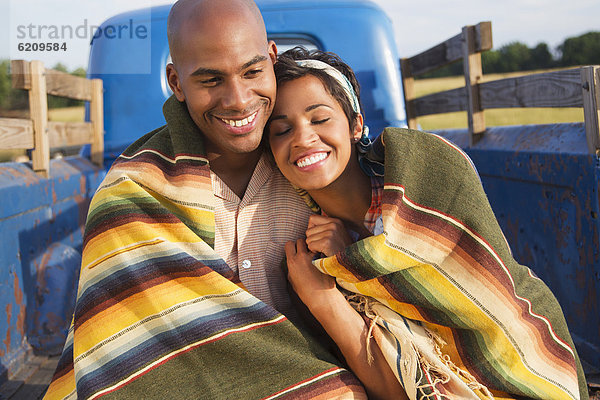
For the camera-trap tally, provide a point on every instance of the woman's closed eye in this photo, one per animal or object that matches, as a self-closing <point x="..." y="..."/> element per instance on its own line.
<point x="282" y="132"/>
<point x="320" y="121"/>
<point x="278" y="130"/>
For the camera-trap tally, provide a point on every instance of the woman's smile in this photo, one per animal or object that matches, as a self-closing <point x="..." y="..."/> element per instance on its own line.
<point x="315" y="158"/>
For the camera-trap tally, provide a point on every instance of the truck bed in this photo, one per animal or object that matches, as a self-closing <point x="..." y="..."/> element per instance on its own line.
<point x="31" y="381"/>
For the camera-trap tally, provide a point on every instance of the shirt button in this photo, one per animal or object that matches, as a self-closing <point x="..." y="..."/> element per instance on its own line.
<point x="246" y="264"/>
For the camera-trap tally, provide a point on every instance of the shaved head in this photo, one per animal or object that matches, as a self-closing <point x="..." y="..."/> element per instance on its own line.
<point x="222" y="68"/>
<point x="210" y="17"/>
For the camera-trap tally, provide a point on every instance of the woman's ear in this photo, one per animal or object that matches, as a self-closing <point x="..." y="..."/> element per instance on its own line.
<point x="358" y="128"/>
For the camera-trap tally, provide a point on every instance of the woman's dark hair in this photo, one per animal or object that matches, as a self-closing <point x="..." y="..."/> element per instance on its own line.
<point x="287" y="70"/>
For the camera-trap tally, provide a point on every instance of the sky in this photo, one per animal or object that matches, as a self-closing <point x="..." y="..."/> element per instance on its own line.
<point x="418" y="25"/>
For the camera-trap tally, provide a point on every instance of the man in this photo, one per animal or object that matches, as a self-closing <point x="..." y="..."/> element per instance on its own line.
<point x="180" y="284"/>
<point x="227" y="83"/>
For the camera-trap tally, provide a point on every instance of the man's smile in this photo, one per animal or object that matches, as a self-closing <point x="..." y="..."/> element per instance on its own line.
<point x="240" y="122"/>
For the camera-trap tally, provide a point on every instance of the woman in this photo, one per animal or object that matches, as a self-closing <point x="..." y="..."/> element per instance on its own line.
<point x="413" y="259"/>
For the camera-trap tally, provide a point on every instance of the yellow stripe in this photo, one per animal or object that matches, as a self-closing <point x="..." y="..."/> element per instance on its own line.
<point x="144" y="304"/>
<point x="62" y="387"/>
<point x="123" y="250"/>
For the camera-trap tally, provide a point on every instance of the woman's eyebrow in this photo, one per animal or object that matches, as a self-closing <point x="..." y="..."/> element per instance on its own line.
<point x="313" y="106"/>
<point x="309" y="108"/>
<point x="276" y="117"/>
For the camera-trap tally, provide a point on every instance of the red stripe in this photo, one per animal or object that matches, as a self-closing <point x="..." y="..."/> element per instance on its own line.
<point x="304" y="381"/>
<point x="178" y="353"/>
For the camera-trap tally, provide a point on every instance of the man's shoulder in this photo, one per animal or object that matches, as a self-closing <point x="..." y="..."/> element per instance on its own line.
<point x="157" y="140"/>
<point x="286" y="196"/>
<point x="179" y="136"/>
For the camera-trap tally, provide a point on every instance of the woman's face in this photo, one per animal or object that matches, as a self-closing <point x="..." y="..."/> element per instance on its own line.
<point x="309" y="134"/>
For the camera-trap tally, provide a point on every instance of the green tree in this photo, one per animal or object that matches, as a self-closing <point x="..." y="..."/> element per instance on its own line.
<point x="10" y="98"/>
<point x="541" y="57"/>
<point x="491" y="61"/>
<point x="5" y="84"/>
<point x="515" y="56"/>
<point x="581" y="50"/>
<point x="80" y="72"/>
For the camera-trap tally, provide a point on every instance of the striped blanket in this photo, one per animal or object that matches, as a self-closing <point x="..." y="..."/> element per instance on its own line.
<point x="159" y="314"/>
<point x="461" y="318"/>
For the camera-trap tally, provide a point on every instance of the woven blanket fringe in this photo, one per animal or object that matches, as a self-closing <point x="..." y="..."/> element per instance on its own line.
<point x="364" y="304"/>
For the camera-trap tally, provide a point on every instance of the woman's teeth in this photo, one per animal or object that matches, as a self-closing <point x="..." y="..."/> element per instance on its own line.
<point x="315" y="158"/>
<point x="239" y="122"/>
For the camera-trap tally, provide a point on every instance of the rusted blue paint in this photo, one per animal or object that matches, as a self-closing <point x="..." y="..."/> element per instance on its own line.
<point x="543" y="186"/>
<point x="41" y="221"/>
<point x="57" y="274"/>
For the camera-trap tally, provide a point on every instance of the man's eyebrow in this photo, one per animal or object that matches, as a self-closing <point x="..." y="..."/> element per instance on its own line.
<point x="209" y="71"/>
<point x="206" y="71"/>
<point x="309" y="108"/>
<point x="255" y="60"/>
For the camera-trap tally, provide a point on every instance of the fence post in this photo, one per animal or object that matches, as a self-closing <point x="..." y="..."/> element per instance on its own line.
<point x="96" y="118"/>
<point x="38" y="111"/>
<point x="473" y="75"/>
<point x="590" y="82"/>
<point x="408" y="89"/>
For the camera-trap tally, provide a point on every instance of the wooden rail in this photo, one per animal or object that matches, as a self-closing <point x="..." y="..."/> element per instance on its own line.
<point x="39" y="134"/>
<point x="577" y="87"/>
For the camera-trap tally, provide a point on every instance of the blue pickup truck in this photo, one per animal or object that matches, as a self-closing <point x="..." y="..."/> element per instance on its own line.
<point x="542" y="180"/>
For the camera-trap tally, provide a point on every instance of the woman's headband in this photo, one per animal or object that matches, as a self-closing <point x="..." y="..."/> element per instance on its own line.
<point x="335" y="74"/>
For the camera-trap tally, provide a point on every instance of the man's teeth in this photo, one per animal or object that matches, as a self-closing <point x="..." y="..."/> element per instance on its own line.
<point x="239" y="122"/>
<point x="305" y="162"/>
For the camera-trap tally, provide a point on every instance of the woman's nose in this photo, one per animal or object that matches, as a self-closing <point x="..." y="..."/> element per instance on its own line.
<point x="304" y="135"/>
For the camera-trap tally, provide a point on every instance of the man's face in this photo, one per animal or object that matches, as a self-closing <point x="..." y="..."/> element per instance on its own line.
<point x="227" y="81"/>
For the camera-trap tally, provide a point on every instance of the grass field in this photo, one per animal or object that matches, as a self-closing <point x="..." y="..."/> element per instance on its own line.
<point x="68" y="114"/>
<point x="495" y="117"/>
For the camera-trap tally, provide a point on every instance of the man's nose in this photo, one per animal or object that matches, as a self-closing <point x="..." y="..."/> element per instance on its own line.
<point x="237" y="95"/>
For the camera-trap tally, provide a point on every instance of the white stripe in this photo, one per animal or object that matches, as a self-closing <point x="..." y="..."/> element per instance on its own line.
<point x="304" y="384"/>
<point x="171" y="160"/>
<point x="183" y="349"/>
<point x="490" y="250"/>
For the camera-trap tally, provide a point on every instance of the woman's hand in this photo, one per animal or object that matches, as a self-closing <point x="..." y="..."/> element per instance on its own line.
<point x="341" y="322"/>
<point x="326" y="235"/>
<point x="311" y="285"/>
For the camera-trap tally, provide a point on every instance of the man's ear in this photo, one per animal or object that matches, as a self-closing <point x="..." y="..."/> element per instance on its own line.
<point x="174" y="82"/>
<point x="358" y="128"/>
<point x="272" y="48"/>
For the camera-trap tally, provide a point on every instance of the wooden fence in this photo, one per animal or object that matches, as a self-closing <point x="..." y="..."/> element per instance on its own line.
<point x="39" y="134"/>
<point x="577" y="87"/>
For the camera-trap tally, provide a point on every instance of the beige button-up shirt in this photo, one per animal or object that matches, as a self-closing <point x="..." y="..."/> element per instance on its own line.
<point x="250" y="233"/>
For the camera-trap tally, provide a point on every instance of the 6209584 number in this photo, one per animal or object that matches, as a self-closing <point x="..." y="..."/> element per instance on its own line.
<point x="42" y="46"/>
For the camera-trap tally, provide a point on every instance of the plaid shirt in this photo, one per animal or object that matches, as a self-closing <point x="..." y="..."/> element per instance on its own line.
<point x="250" y="233"/>
<point x="374" y="211"/>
